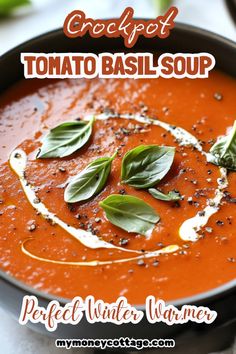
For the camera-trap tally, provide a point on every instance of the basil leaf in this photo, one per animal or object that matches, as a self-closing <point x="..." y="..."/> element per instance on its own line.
<point x="90" y="181"/>
<point x="66" y="138"/>
<point x="7" y="6"/>
<point x="146" y="165"/>
<point x="223" y="152"/>
<point x="130" y="213"/>
<point x="171" y="196"/>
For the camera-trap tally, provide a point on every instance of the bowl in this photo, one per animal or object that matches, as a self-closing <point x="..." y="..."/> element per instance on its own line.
<point x="197" y="338"/>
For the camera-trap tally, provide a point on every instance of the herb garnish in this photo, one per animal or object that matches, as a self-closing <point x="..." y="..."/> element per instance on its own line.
<point x="8" y="6"/>
<point x="171" y="196"/>
<point x="66" y="138"/>
<point x="89" y="181"/>
<point x="146" y="165"/>
<point x="130" y="213"/>
<point x="223" y="152"/>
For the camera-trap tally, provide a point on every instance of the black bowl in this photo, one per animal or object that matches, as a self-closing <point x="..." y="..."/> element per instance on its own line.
<point x="190" y="337"/>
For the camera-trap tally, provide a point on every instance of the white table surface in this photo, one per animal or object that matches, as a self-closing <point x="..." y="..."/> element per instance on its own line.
<point x="208" y="14"/>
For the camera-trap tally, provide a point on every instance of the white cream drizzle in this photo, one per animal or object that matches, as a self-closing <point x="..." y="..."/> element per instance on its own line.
<point x="94" y="263"/>
<point x="188" y="230"/>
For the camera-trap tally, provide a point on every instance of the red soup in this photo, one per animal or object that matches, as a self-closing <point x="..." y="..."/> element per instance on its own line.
<point x="76" y="248"/>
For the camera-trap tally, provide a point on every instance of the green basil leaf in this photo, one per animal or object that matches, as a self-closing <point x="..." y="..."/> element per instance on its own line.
<point x="7" y="6"/>
<point x="146" y="165"/>
<point x="171" y="196"/>
<point x="66" y="138"/>
<point x="223" y="152"/>
<point x="90" y="181"/>
<point x="130" y="213"/>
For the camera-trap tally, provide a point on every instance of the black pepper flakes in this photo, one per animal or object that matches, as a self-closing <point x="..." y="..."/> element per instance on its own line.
<point x="125" y="131"/>
<point x="62" y="169"/>
<point x="71" y="207"/>
<point x="228" y="197"/>
<point x="36" y="200"/>
<point x="160" y="244"/>
<point x="109" y="111"/>
<point x="211" y="141"/>
<point x="123" y="242"/>
<point x="183" y="252"/>
<point x="141" y="263"/>
<point x="155" y="263"/>
<point x="31" y="227"/>
<point x="186" y="245"/>
<point x="201" y="213"/>
<point x="17" y="155"/>
<point x="190" y="200"/>
<point x="218" y="96"/>
<point x="165" y="109"/>
<point x="91" y="229"/>
<point x="122" y="191"/>
<point x="176" y="204"/>
<point x="144" y="109"/>
<point x="209" y="229"/>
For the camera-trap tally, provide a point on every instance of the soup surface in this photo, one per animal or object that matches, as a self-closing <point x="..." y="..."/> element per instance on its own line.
<point x="205" y="108"/>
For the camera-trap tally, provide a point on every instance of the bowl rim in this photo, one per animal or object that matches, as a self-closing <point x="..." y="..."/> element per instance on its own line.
<point x="197" y="299"/>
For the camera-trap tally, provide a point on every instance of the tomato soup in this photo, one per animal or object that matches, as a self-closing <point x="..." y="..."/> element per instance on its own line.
<point x="168" y="263"/>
